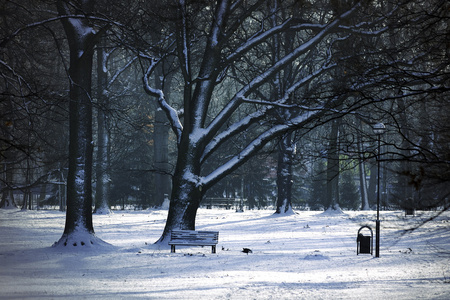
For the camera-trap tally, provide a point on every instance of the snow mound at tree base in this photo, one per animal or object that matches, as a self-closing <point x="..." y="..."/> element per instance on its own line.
<point x="81" y="239"/>
<point x="333" y="211"/>
<point x="285" y="211"/>
<point x="8" y="204"/>
<point x="316" y="255"/>
<point x="103" y="211"/>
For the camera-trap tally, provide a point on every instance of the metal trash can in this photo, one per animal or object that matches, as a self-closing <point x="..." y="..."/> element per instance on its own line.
<point x="409" y="212"/>
<point x="364" y="243"/>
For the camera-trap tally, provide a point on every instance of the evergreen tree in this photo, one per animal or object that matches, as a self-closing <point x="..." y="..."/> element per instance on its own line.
<point x="318" y="196"/>
<point x="349" y="192"/>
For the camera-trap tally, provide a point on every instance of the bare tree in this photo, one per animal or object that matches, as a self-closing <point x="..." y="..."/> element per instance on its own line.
<point x="238" y="32"/>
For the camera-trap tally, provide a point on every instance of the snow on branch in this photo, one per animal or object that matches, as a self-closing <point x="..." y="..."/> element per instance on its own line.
<point x="279" y="65"/>
<point x="255" y="145"/>
<point x="252" y="118"/>
<point x="255" y="40"/>
<point x="171" y="113"/>
<point x="236" y="128"/>
<point x="291" y="23"/>
<point x="50" y="20"/>
<point x="20" y="80"/>
<point x="184" y="45"/>
<point x="120" y="71"/>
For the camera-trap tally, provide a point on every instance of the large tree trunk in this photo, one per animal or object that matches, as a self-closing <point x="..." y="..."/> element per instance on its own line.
<point x="79" y="230"/>
<point x="79" y="181"/>
<point x="186" y="193"/>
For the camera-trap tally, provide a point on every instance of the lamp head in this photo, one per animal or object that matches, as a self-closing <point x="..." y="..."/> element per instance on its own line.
<point x="379" y="128"/>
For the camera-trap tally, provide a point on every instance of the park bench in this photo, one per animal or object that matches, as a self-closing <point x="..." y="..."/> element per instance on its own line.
<point x="226" y="203"/>
<point x="193" y="238"/>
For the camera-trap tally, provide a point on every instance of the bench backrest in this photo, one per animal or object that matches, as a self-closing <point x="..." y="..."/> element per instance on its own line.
<point x="195" y="237"/>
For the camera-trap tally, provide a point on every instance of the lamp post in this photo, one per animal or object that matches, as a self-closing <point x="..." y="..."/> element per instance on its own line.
<point x="378" y="129"/>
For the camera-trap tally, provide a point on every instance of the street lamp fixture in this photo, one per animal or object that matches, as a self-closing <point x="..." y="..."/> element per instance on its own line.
<point x="378" y="129"/>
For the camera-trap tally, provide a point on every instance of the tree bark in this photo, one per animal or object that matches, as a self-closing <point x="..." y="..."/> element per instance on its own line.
<point x="79" y="230"/>
<point x="187" y="192"/>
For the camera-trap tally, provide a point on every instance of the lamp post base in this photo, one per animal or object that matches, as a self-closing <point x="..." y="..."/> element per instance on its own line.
<point x="377" y="242"/>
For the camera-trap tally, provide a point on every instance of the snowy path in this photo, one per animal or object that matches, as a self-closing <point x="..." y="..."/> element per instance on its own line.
<point x="310" y="255"/>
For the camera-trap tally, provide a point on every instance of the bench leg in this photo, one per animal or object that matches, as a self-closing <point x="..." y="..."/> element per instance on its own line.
<point x="172" y="248"/>
<point x="213" y="249"/>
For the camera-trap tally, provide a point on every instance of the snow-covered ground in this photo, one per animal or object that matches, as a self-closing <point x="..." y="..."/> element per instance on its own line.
<point x="309" y="255"/>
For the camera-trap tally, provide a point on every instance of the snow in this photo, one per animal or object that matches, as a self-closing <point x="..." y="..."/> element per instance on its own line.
<point x="82" y="31"/>
<point x="104" y="210"/>
<point x="307" y="255"/>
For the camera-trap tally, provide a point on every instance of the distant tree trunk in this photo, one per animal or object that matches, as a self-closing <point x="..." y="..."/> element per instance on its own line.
<point x="161" y="151"/>
<point x="102" y="166"/>
<point x="6" y="156"/>
<point x="333" y="167"/>
<point x="42" y="194"/>
<point x="362" y="173"/>
<point x="406" y="193"/>
<point x="7" y="199"/>
<point x="27" y="195"/>
<point x="8" y="195"/>
<point x="363" y="186"/>
<point x="286" y="148"/>
<point x="373" y="184"/>
<point x="161" y="145"/>
<point x="284" y="174"/>
<point x="79" y="230"/>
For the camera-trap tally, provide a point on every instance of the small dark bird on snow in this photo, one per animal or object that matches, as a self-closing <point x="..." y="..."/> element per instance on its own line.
<point x="247" y="250"/>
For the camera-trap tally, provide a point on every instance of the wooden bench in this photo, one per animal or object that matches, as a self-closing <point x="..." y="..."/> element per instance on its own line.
<point x="226" y="203"/>
<point x="193" y="238"/>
